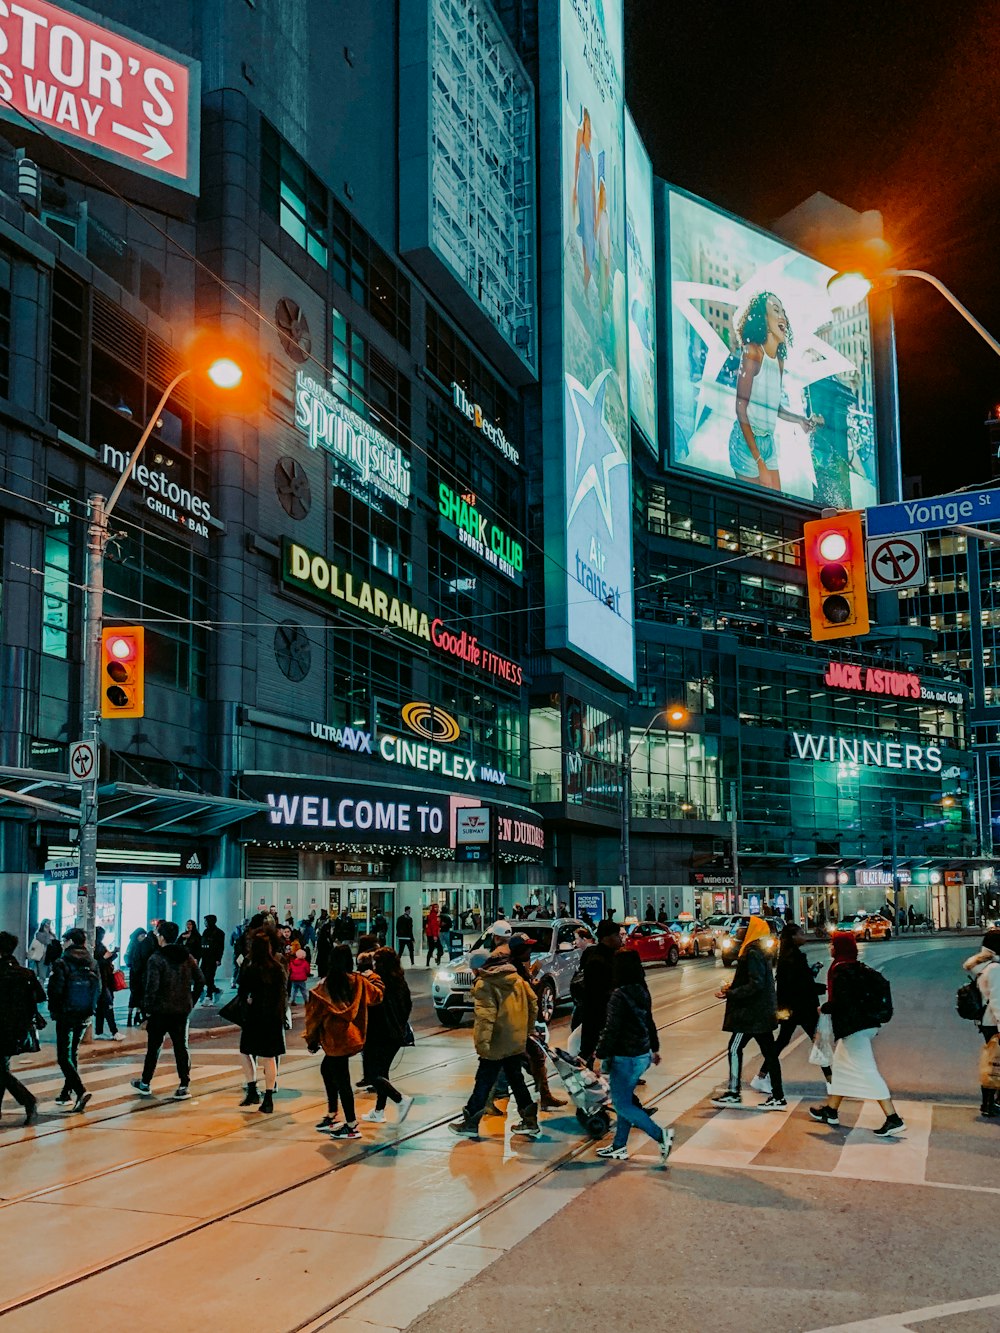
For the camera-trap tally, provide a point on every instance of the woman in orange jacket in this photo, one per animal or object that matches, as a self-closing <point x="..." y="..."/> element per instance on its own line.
<point x="337" y="1020"/>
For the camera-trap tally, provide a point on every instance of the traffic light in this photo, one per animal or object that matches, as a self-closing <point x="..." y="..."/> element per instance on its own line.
<point x="835" y="577"/>
<point x="123" y="666"/>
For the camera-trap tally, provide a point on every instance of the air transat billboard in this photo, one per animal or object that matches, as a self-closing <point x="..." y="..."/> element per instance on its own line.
<point x="587" y="422"/>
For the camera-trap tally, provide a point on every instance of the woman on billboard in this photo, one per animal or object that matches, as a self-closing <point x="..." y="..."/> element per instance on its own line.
<point x="765" y="336"/>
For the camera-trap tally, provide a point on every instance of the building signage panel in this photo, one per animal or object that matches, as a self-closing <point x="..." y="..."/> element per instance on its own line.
<point x="895" y="684"/>
<point x="940" y="511"/>
<point x="880" y="878"/>
<point x="588" y="435"/>
<point x="474" y="413"/>
<point x="590" y="901"/>
<point x="374" y="465"/>
<point x="869" y="754"/>
<point x="461" y="519"/>
<point x="313" y="574"/>
<point x="895" y="563"/>
<point x="432" y="759"/>
<point x="164" y="496"/>
<point x="641" y="284"/>
<point x="517" y="830"/>
<point x="101" y="88"/>
<point x="352" y="813"/>
<point x="472" y="828"/>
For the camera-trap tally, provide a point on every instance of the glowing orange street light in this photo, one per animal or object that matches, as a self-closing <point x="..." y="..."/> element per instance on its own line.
<point x="676" y="715"/>
<point x="847" y="289"/>
<point x="225" y="373"/>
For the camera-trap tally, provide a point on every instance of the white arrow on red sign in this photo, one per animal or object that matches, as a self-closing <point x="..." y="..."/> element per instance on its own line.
<point x="101" y="88"/>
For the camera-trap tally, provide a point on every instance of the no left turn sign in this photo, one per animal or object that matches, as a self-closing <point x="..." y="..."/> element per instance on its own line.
<point x="895" y="563"/>
<point x="82" y="758"/>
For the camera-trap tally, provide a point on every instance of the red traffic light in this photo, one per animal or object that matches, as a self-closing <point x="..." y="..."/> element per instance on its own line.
<point x="835" y="577"/>
<point x="123" y="672"/>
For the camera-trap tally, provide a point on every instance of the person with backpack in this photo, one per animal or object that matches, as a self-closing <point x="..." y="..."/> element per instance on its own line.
<point x="752" y="1015"/>
<point x="859" y="1002"/>
<point x="984" y="970"/>
<point x="20" y="995"/>
<point x="74" y="986"/>
<point x="337" y="1020"/>
<point x="388" y="1025"/>
<point x="173" y="984"/>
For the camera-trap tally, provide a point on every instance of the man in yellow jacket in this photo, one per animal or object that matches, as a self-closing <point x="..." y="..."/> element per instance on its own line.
<point x="504" y="1013"/>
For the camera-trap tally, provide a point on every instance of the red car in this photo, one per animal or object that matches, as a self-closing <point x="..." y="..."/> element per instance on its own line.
<point x="653" y="943"/>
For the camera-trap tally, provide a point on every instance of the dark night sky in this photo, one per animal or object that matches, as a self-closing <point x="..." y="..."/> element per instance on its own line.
<point x="881" y="104"/>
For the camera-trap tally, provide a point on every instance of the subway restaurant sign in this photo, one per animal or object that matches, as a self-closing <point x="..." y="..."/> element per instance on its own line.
<point x="313" y="574"/>
<point x="461" y="519"/>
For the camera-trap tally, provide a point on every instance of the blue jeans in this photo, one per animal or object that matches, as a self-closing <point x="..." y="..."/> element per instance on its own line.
<point x="626" y="1071"/>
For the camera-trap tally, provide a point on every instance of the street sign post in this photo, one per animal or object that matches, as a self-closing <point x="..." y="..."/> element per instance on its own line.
<point x="940" y="511"/>
<point x="58" y="871"/>
<point x="895" y="563"/>
<point x="82" y="758"/>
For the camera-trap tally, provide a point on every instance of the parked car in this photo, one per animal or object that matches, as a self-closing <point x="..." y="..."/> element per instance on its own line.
<point x="729" y="944"/>
<point x="694" y="938"/>
<point x="653" y="943"/>
<point x="554" y="959"/>
<point x="866" y="927"/>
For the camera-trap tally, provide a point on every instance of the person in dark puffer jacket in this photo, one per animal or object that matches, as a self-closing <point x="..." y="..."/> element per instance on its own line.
<point x="173" y="984"/>
<point x="627" y="1046"/>
<point x="752" y="1014"/>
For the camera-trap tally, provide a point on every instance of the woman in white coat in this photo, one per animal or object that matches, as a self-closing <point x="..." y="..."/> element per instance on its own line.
<point x="984" y="966"/>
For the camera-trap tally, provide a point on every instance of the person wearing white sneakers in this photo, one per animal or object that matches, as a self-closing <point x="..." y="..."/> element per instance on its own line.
<point x="751" y="1014"/>
<point x="627" y="1046"/>
<point x="798" y="998"/>
<point x="388" y="1027"/>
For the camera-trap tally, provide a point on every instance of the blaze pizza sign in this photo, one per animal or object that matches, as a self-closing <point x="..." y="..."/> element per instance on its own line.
<point x="102" y="88"/>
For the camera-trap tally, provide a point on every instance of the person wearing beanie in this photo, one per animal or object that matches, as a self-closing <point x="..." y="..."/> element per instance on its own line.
<point x="984" y="967"/>
<point x="850" y="987"/>
<point x="74" y="985"/>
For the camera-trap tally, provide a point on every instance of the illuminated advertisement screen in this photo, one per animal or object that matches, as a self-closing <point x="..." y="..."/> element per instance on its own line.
<point x="641" y="284"/>
<point x="597" y="475"/>
<point x="771" y="387"/>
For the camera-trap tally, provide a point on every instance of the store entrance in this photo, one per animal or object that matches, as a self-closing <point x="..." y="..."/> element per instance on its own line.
<point x="820" y="907"/>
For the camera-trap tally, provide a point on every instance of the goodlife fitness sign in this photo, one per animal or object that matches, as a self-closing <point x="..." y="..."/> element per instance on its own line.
<point x="101" y="88"/>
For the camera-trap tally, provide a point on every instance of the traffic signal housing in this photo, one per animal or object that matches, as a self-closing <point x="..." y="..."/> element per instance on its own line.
<point x="835" y="577"/>
<point x="123" y="670"/>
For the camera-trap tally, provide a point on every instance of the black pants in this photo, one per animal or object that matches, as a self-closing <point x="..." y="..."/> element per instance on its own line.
<point x="406" y="943"/>
<point x="433" y="944"/>
<point x="68" y="1034"/>
<point x="486" y="1076"/>
<point x="786" y="1030"/>
<point x="378" y="1063"/>
<point x="175" y="1027"/>
<point x="8" y="1083"/>
<point x="772" y="1065"/>
<point x="105" y="1010"/>
<point x="208" y="971"/>
<point x="336" y="1074"/>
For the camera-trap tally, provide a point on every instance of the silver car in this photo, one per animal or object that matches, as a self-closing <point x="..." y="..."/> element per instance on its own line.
<point x="554" y="959"/>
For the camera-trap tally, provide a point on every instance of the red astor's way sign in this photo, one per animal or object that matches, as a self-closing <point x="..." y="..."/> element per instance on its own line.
<point x="101" y="88"/>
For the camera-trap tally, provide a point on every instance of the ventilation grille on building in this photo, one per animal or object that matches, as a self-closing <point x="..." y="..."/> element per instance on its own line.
<point x="269" y="863"/>
<point x="133" y="346"/>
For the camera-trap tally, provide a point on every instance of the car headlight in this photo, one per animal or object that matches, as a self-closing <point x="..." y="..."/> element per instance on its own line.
<point x="445" y="977"/>
<point x="685" y="939"/>
<point x="726" y="940"/>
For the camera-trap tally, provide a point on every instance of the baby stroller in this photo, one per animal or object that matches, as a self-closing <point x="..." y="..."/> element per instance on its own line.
<point x="588" y="1091"/>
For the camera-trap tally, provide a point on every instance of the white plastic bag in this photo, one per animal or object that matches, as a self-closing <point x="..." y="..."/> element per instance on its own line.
<point x="575" y="1037"/>
<point x="822" y="1047"/>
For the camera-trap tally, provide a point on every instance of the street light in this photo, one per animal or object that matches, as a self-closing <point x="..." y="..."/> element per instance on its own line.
<point x="848" y="289"/>
<point x="226" y="374"/>
<point x="675" y="715"/>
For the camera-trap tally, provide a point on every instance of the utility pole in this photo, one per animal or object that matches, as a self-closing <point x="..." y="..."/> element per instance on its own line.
<point x="735" y="844"/>
<point x="626" y="822"/>
<point x="90" y="712"/>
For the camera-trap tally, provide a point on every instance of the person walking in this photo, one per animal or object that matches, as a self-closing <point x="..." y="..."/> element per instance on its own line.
<point x="650" y="910"/>
<point x="337" y="1021"/>
<point x="380" y="927"/>
<point x="299" y="968"/>
<point x="595" y="985"/>
<point x="751" y="1014"/>
<point x="20" y="995"/>
<point x="387" y="1027"/>
<point x="38" y="950"/>
<point x="191" y="939"/>
<point x="798" y="994"/>
<point x="213" y="950"/>
<point x="504" y="1013"/>
<point x="432" y="933"/>
<point x="404" y="935"/>
<point x="263" y="990"/>
<point x="173" y="984"/>
<point x="134" y="982"/>
<point x="324" y="945"/>
<point x="144" y="951"/>
<point x="627" y="1046"/>
<point x="852" y="995"/>
<point x="74" y="985"/>
<point x="984" y="967"/>
<point x="344" y="928"/>
<point x="105" y="959"/>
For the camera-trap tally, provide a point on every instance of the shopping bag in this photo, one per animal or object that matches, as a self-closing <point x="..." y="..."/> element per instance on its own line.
<point x="989" y="1064"/>
<point x="575" y="1039"/>
<point x="118" y="981"/>
<point x="822" y="1047"/>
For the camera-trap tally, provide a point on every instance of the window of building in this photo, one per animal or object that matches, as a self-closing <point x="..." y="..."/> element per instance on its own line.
<point x="368" y="381"/>
<point x="451" y="360"/>
<point x="66" y="355"/>
<point x="5" y="286"/>
<point x="294" y="196"/>
<point x="370" y="276"/>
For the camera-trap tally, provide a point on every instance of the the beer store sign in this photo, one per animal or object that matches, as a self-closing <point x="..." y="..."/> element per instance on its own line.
<point x="870" y="754"/>
<point x="461" y="519"/>
<point x="372" y="459"/>
<point x="474" y="414"/>
<point x="320" y="578"/>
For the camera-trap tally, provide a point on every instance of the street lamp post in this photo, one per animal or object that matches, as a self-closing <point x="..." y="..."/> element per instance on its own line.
<point x="676" y="714"/>
<point x="849" y="289"/>
<point x="225" y="374"/>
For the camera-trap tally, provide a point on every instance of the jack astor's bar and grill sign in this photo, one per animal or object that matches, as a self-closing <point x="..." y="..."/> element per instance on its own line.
<point x="313" y="574"/>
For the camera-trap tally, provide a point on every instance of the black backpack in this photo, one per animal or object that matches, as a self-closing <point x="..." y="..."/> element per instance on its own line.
<point x="80" y="994"/>
<point x="876" y="999"/>
<point x="969" y="1002"/>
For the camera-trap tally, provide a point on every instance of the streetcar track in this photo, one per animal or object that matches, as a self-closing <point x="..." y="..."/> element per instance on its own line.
<point x="361" y="1155"/>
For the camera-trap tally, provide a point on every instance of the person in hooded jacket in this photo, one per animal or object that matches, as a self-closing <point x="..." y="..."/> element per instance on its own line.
<point x="39" y="950"/>
<point x="105" y="1013"/>
<point x="213" y="950"/>
<point x="74" y="986"/>
<point x="855" y="1073"/>
<point x="504" y="1013"/>
<point x="20" y="995"/>
<point x="627" y="1046"/>
<point x="517" y="950"/>
<point x="173" y="984"/>
<point x="984" y="967"/>
<point x="751" y="1014"/>
<point x="432" y="933"/>
<point x="798" y="997"/>
<point x="263" y="986"/>
<point x="144" y="950"/>
<point x="387" y="1024"/>
<point x="337" y="1020"/>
